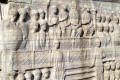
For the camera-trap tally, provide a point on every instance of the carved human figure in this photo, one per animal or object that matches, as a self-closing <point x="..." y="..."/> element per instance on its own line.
<point x="12" y="33"/>
<point x="37" y="74"/>
<point x="112" y="73"/>
<point x="111" y="31"/>
<point x="117" y="71"/>
<point x="107" y="71"/>
<point x="54" y="30"/>
<point x="64" y="20"/>
<point x="28" y="75"/>
<point x="86" y="19"/>
<point x="97" y="60"/>
<point x="100" y="29"/>
<point x="106" y="31"/>
<point x="75" y="20"/>
<point x="28" y="9"/>
<point x="45" y="74"/>
<point x="33" y="36"/>
<point x="57" y="59"/>
<point x="33" y="41"/>
<point x="24" y="26"/>
<point x="115" y="21"/>
<point x="20" y="76"/>
<point x="90" y="31"/>
<point x="43" y="26"/>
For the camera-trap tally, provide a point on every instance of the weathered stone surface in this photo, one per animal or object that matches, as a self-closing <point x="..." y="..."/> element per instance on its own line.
<point x="60" y="40"/>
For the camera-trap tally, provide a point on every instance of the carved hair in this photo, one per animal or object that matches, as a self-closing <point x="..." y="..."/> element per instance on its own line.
<point x="22" y="11"/>
<point x="34" y="12"/>
<point x="13" y="12"/>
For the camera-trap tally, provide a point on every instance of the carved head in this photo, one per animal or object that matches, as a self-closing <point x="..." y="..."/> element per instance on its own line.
<point x="54" y="9"/>
<point x="103" y="18"/>
<point x="117" y="65"/>
<point x="22" y="13"/>
<point x="20" y="77"/>
<point x="97" y="42"/>
<point x="63" y="7"/>
<point x="111" y="28"/>
<point x="107" y="65"/>
<point x="115" y="18"/>
<point x="99" y="17"/>
<point x="41" y="13"/>
<point x="107" y="18"/>
<point x="37" y="73"/>
<point x="113" y="65"/>
<point x="73" y="5"/>
<point x="34" y="15"/>
<point x="100" y="28"/>
<point x="13" y="13"/>
<point x="86" y="8"/>
<point x="56" y="44"/>
<point x="28" y="75"/>
<point x="43" y="25"/>
<point x="28" y="9"/>
<point x="106" y="28"/>
<point x="45" y="73"/>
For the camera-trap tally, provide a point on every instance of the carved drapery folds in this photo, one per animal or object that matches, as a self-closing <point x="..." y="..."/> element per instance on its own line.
<point x="45" y="38"/>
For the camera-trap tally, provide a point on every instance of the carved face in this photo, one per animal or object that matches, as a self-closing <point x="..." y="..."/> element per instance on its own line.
<point x="35" y="17"/>
<point x="100" y="28"/>
<point x="56" y="45"/>
<point x="42" y="15"/>
<point x="107" y="65"/>
<point x="46" y="75"/>
<point x="111" y="29"/>
<point x="106" y="28"/>
<point x="13" y="16"/>
<point x="23" y="16"/>
<point x="54" y="10"/>
<point x="43" y="27"/>
<point x="97" y="43"/>
<point x="112" y="65"/>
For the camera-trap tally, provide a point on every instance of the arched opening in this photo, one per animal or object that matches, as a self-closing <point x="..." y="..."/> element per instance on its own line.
<point x="4" y="1"/>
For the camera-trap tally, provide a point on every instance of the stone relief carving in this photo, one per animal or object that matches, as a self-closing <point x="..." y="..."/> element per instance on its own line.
<point x="53" y="35"/>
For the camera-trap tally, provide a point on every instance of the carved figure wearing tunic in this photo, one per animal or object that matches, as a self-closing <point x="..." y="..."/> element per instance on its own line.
<point x="98" y="60"/>
<point x="24" y="26"/>
<point x="112" y="70"/>
<point x="42" y="32"/>
<point x="53" y="22"/>
<point x="86" y="19"/>
<point x="37" y="74"/>
<point x="33" y="37"/>
<point x="45" y="74"/>
<point x="12" y="33"/>
<point x="107" y="71"/>
<point x="106" y="31"/>
<point x="117" y="71"/>
<point x="75" y="20"/>
<point x="115" y="22"/>
<point x="64" y="20"/>
<point x="57" y="59"/>
<point x="100" y="33"/>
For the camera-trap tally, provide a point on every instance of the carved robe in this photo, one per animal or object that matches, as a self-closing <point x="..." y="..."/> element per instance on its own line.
<point x="74" y="19"/>
<point x="99" y="55"/>
<point x="12" y="36"/>
<point x="64" y="22"/>
<point x="53" y="24"/>
<point x="25" y="31"/>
